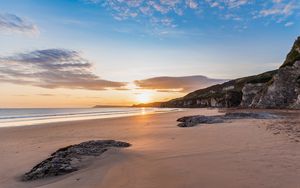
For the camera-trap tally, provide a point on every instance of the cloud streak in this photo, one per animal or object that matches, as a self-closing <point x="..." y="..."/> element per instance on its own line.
<point x="16" y="24"/>
<point x="279" y="9"/>
<point x="177" y="84"/>
<point x="163" y="14"/>
<point x="230" y="4"/>
<point x="53" y="68"/>
<point x="157" y="12"/>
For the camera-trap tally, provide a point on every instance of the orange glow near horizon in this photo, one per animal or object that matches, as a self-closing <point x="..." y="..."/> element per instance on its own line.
<point x="24" y="96"/>
<point x="143" y="97"/>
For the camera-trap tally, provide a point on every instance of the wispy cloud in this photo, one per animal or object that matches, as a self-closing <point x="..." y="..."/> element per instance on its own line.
<point x="280" y="11"/>
<point x="222" y="4"/>
<point x="45" y="95"/>
<point x="288" y="24"/>
<point x="157" y="12"/>
<point x="16" y="24"/>
<point x="279" y="8"/>
<point x="53" y="68"/>
<point x="163" y="14"/>
<point x="178" y="84"/>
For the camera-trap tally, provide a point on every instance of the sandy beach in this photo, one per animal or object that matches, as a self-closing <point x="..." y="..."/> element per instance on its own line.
<point x="150" y="94"/>
<point x="235" y="154"/>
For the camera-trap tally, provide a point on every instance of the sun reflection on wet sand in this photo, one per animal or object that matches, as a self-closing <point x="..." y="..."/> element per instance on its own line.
<point x="143" y="111"/>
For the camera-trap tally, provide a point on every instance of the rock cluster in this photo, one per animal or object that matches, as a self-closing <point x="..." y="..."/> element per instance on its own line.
<point x="68" y="159"/>
<point x="190" y="121"/>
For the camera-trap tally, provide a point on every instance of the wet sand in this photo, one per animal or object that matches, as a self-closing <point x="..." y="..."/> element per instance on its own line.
<point x="236" y="154"/>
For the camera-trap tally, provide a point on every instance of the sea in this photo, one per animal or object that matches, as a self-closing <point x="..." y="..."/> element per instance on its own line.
<point x="30" y="116"/>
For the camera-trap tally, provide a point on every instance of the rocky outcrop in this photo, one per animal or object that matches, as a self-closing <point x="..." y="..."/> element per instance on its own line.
<point x="274" y="89"/>
<point x="69" y="159"/>
<point x="228" y="94"/>
<point x="191" y="121"/>
<point x="249" y="93"/>
<point x="293" y="55"/>
<point x="283" y="91"/>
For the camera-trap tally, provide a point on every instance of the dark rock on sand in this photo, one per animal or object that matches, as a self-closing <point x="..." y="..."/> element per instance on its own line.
<point x="249" y="115"/>
<point x="190" y="121"/>
<point x="68" y="159"/>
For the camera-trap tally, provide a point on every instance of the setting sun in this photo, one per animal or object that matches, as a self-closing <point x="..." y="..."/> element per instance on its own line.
<point x="143" y="98"/>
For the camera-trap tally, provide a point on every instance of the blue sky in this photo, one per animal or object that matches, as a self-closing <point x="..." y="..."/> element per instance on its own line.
<point x="129" y="40"/>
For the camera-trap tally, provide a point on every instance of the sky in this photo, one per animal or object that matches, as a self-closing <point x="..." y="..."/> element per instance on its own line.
<point x="81" y="53"/>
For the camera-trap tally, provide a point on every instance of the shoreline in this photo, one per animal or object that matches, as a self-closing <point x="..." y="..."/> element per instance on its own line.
<point x="239" y="153"/>
<point x="220" y="110"/>
<point x="45" y="120"/>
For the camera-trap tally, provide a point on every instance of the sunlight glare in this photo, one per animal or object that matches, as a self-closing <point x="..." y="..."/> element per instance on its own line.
<point x="143" y="97"/>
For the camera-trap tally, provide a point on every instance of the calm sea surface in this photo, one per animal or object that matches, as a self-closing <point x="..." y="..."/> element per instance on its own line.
<point x="30" y="116"/>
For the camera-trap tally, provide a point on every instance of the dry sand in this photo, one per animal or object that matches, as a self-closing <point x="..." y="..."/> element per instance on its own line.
<point x="239" y="154"/>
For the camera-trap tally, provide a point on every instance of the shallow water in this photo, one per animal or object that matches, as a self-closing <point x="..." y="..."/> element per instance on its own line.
<point x="30" y="116"/>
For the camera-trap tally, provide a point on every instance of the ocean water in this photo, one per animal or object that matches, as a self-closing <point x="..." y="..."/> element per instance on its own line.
<point x="30" y="116"/>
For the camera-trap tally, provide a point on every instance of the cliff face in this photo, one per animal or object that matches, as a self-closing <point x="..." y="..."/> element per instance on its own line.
<point x="228" y="94"/>
<point x="274" y="89"/>
<point x="250" y="92"/>
<point x="283" y="91"/>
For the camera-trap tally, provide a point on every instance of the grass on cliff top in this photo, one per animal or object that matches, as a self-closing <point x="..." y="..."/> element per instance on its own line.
<point x="294" y="54"/>
<point x="217" y="91"/>
<point x="261" y="78"/>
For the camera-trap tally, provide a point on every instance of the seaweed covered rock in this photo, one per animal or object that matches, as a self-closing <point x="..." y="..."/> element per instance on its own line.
<point x="68" y="159"/>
